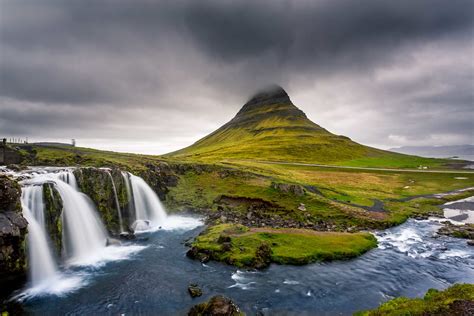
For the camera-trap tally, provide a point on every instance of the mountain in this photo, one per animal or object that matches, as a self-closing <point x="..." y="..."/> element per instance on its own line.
<point x="270" y="127"/>
<point x="461" y="151"/>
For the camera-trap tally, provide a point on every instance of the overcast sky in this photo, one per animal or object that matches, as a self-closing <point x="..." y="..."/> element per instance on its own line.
<point x="155" y="76"/>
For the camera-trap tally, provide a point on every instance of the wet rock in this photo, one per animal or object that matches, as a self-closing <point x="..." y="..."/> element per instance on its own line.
<point x="217" y="306"/>
<point x="201" y="255"/>
<point x="194" y="290"/>
<point x="53" y="209"/>
<point x="15" y="167"/>
<point x="263" y="256"/>
<point x="295" y="189"/>
<point x="13" y="230"/>
<point x="127" y="236"/>
<point x="112" y="242"/>
<point x="457" y="231"/>
<point x="470" y="242"/>
<point x="97" y="184"/>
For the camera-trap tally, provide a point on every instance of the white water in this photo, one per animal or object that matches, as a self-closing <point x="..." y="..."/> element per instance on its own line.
<point x="40" y="258"/>
<point x="130" y="205"/>
<point x="117" y="204"/>
<point x="149" y="212"/>
<point x="83" y="232"/>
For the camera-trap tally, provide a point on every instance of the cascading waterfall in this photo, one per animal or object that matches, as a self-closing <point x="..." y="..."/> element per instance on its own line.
<point x="117" y="204"/>
<point x="41" y="261"/>
<point x="130" y="204"/>
<point x="149" y="212"/>
<point x="84" y="233"/>
<point x="69" y="178"/>
<point x="84" y="237"/>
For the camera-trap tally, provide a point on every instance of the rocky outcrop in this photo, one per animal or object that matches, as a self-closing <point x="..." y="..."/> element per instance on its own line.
<point x="294" y="189"/>
<point x="194" y="290"/>
<point x="13" y="230"/>
<point x="160" y="177"/>
<point x="97" y="184"/>
<point x="53" y="208"/>
<point x="217" y="306"/>
<point x="458" y="231"/>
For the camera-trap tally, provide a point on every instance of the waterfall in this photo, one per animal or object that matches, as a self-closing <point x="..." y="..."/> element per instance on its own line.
<point x="117" y="204"/>
<point x="69" y="178"/>
<point x="149" y="212"/>
<point x="40" y="258"/>
<point x="130" y="204"/>
<point x="83" y="231"/>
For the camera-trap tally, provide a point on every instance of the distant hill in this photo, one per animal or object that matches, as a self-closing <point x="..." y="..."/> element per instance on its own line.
<point x="270" y="127"/>
<point x="460" y="151"/>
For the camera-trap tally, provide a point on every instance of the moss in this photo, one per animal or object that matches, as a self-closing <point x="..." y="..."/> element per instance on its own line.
<point x="53" y="216"/>
<point x="456" y="300"/>
<point x="97" y="184"/>
<point x="258" y="247"/>
<point x="217" y="305"/>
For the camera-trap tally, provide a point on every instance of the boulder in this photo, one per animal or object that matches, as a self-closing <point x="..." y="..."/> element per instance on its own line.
<point x="194" y="290"/>
<point x="217" y="306"/>
<point x="458" y="231"/>
<point x="294" y="189"/>
<point x="13" y="230"/>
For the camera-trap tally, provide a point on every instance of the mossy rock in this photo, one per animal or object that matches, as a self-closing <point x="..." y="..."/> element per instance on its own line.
<point x="53" y="209"/>
<point x="455" y="300"/>
<point x="217" y="306"/>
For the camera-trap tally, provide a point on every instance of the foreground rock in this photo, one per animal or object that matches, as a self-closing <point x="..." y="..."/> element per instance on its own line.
<point x="13" y="229"/>
<point x="217" y="306"/>
<point x="194" y="290"/>
<point x="458" y="231"/>
<point x="456" y="300"/>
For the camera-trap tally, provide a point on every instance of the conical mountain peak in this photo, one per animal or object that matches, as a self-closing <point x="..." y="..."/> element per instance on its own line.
<point x="273" y="94"/>
<point x="270" y="127"/>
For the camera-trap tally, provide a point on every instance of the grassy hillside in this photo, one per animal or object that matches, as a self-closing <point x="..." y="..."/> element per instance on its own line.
<point x="269" y="127"/>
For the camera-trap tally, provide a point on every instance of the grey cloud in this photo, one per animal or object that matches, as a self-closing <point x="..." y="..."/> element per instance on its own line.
<point x="186" y="66"/>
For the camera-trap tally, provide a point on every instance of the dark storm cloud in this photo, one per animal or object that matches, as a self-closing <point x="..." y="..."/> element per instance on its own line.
<point x="201" y="60"/>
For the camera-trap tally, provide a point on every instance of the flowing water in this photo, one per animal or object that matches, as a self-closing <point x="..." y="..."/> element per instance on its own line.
<point x="117" y="204"/>
<point x="84" y="233"/>
<point x="151" y="274"/>
<point x="149" y="212"/>
<point x="40" y="258"/>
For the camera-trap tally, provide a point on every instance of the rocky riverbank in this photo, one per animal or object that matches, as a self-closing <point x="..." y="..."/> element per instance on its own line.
<point x="13" y="232"/>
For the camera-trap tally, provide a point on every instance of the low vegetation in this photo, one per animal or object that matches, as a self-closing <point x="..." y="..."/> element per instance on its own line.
<point x="456" y="300"/>
<point x="258" y="247"/>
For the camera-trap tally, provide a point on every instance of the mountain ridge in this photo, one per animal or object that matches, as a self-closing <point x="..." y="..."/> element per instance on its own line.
<point x="270" y="127"/>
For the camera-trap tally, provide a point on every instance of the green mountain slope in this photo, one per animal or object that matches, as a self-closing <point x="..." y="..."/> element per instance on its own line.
<point x="270" y="127"/>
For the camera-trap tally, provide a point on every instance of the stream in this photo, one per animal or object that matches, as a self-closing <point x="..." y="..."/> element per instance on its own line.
<point x="151" y="274"/>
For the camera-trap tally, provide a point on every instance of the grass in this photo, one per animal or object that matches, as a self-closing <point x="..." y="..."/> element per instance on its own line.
<point x="452" y="301"/>
<point x="333" y="196"/>
<point x="243" y="247"/>
<point x="281" y="132"/>
<point x="63" y="155"/>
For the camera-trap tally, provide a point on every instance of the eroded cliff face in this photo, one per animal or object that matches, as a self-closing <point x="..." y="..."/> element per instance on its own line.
<point x="53" y="208"/>
<point x="160" y="177"/>
<point x="97" y="184"/>
<point x="13" y="230"/>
